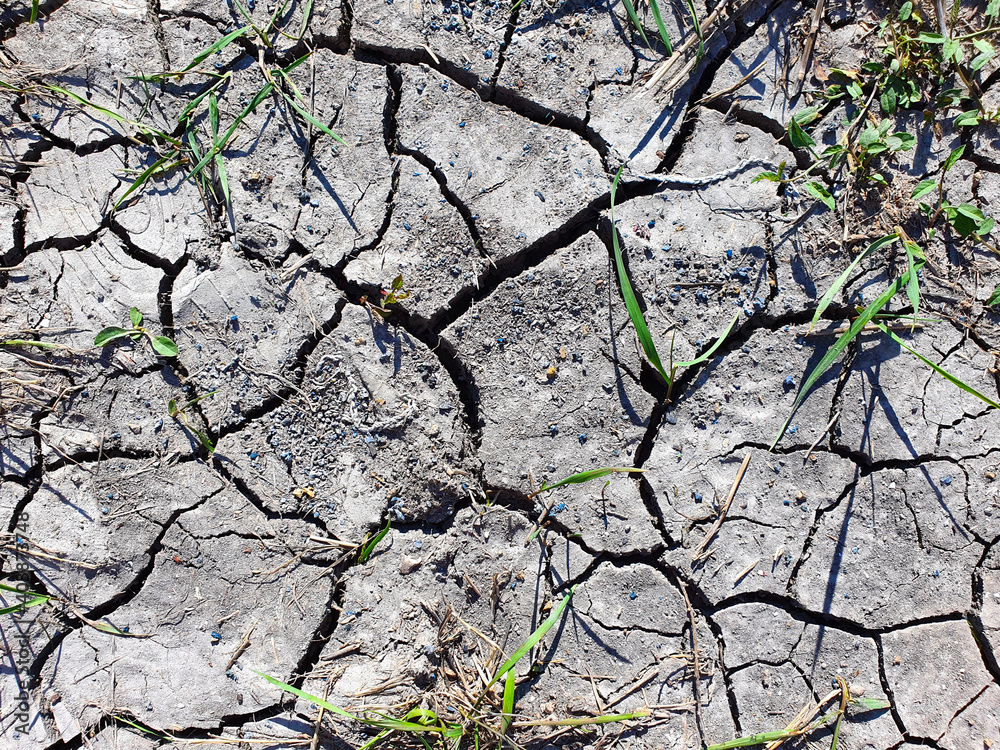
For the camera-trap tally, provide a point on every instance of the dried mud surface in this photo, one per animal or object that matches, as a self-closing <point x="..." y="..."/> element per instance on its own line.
<point x="481" y="147"/>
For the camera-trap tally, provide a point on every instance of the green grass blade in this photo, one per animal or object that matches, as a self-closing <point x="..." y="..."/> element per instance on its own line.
<point x="531" y="641"/>
<point x="383" y="722"/>
<point x="718" y="342"/>
<point x="753" y="739"/>
<point x="635" y="20"/>
<point x="203" y="439"/>
<point x="254" y="103"/>
<point x="306" y="114"/>
<point x="938" y="369"/>
<point x="216" y="46"/>
<point x="201" y="97"/>
<point x="306" y="14"/>
<point x="369" y="547"/>
<point x="842" y="279"/>
<point x="697" y="28"/>
<point x="15" y="590"/>
<point x="508" y="701"/>
<point x="87" y="103"/>
<point x="141" y="180"/>
<point x="631" y="303"/>
<point x="860" y="322"/>
<point x="913" y="251"/>
<point x="34" y="11"/>
<point x="586" y="476"/>
<point x="29" y="342"/>
<point x="653" y="6"/>
<point x="40" y="599"/>
<point x="642" y="713"/>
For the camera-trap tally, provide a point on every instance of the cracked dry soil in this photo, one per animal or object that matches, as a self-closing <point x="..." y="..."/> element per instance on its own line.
<point x="482" y="142"/>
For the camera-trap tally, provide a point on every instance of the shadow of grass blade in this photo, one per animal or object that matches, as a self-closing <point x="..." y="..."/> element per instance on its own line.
<point x="631" y="303"/>
<point x="828" y="359"/>
<point x="842" y="279"/>
<point x="635" y="20"/>
<point x="937" y="368"/>
<point x="531" y="641"/>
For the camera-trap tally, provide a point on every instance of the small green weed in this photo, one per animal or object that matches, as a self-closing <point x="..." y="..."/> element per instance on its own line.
<point x="487" y="718"/>
<point x="806" y="722"/>
<point x="161" y="344"/>
<point x="639" y="323"/>
<point x="579" y="478"/>
<point x="368" y="545"/>
<point x="395" y="294"/>
<point x="872" y="315"/>
<point x="180" y="413"/>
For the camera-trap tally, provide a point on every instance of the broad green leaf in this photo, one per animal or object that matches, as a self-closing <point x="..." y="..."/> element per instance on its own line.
<point x="586" y="476"/>
<point x="986" y="227"/>
<point x="806" y="115"/>
<point x="172" y="410"/>
<point x="818" y="191"/>
<point x="938" y="369"/>
<point x="925" y="187"/>
<point x="950" y="48"/>
<point x="889" y="101"/>
<point x="842" y="279"/>
<point x="109" y="334"/>
<point x="855" y="90"/>
<point x="967" y="209"/>
<point x="769" y="176"/>
<point x="967" y="118"/>
<point x="397" y="283"/>
<point x="862" y="704"/>
<point x="901" y="141"/>
<point x="995" y="297"/>
<point x="135" y="316"/>
<point x="164" y="346"/>
<point x="631" y="303"/>
<point x="799" y="137"/>
<point x="993" y="8"/>
<point x="905" y="10"/>
<point x="953" y="157"/>
<point x="828" y="359"/>
<point x="931" y="38"/>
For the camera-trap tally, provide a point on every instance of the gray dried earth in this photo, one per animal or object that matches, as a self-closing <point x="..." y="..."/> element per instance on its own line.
<point x="481" y="145"/>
